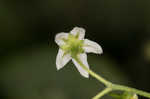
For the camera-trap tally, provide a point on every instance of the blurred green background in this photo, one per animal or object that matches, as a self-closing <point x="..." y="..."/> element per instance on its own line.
<point x="28" y="50"/>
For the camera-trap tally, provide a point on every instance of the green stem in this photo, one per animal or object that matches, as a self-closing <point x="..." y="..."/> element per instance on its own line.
<point x="98" y="77"/>
<point x="128" y="89"/>
<point x="102" y="93"/>
<point x="109" y="85"/>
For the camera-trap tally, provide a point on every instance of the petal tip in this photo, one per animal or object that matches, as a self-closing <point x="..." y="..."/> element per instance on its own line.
<point x="86" y="76"/>
<point x="58" y="67"/>
<point x="100" y="51"/>
<point x="59" y="38"/>
<point x="78" y="30"/>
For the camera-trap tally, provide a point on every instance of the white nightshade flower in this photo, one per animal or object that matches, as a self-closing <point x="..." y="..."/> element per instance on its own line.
<point x="74" y="45"/>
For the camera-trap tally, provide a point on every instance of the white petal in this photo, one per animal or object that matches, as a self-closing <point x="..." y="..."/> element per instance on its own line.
<point x="80" y="31"/>
<point x="61" y="59"/>
<point x="90" y="46"/>
<point x="59" y="38"/>
<point x="83" y="58"/>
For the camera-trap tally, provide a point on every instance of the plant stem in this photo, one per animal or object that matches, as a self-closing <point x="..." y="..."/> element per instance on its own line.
<point x="102" y="93"/>
<point x="98" y="77"/>
<point x="110" y="86"/>
<point x="128" y="89"/>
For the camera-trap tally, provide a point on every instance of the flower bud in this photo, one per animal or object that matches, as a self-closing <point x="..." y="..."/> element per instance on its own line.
<point x="129" y="95"/>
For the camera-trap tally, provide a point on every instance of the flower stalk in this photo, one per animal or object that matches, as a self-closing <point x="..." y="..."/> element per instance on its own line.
<point x="110" y="86"/>
<point x="102" y="93"/>
<point x="93" y="74"/>
<point x="129" y="89"/>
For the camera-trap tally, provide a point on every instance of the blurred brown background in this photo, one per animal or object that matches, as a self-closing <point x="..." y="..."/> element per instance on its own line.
<point x="28" y="50"/>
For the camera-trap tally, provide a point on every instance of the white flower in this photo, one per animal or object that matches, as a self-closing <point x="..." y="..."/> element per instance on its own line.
<point x="74" y="45"/>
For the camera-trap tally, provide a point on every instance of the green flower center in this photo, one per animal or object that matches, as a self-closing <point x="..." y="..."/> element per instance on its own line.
<point x="73" y="45"/>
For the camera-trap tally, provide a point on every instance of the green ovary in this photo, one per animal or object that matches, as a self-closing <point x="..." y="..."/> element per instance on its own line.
<point x="73" y="45"/>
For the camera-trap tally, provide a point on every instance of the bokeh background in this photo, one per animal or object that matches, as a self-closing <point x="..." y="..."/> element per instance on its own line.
<point x="28" y="50"/>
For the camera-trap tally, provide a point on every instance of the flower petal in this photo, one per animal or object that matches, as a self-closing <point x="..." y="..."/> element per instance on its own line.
<point x="90" y="46"/>
<point x="59" y="38"/>
<point x="83" y="58"/>
<point x="78" y="31"/>
<point x="61" y="59"/>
